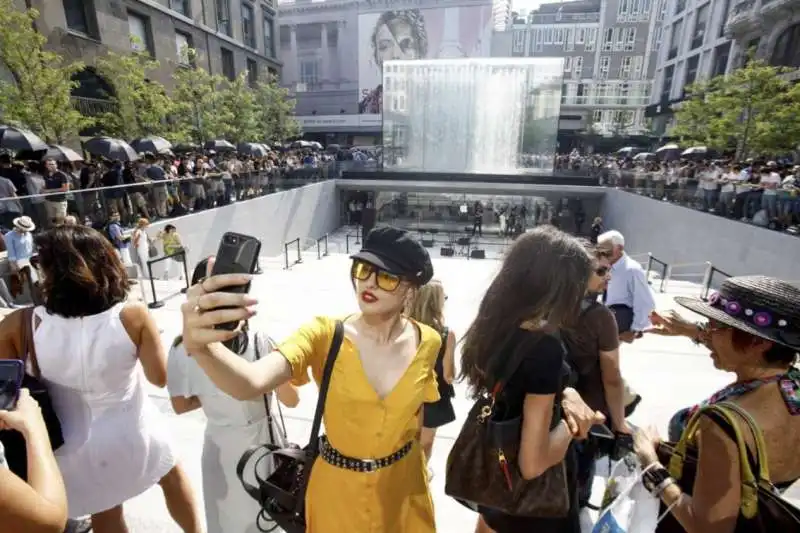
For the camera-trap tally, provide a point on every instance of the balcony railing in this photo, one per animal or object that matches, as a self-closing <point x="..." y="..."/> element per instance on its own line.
<point x="564" y="18"/>
<point x="92" y="107"/>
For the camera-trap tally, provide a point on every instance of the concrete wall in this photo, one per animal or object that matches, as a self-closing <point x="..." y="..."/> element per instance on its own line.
<point x="306" y="212"/>
<point x="677" y="235"/>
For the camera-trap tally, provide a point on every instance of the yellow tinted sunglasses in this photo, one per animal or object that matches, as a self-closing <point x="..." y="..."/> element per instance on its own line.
<point x="385" y="280"/>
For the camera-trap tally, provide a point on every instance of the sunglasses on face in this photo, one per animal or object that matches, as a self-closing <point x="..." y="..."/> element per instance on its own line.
<point x="601" y="271"/>
<point x="385" y="280"/>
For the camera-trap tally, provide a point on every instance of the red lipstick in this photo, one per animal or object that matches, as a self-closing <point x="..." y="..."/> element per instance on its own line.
<point x="368" y="297"/>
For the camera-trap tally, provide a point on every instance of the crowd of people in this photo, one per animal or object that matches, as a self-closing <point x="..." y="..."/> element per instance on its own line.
<point x="548" y="330"/>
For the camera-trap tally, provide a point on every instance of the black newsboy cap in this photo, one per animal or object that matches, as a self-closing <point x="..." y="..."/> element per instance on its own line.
<point x="396" y="251"/>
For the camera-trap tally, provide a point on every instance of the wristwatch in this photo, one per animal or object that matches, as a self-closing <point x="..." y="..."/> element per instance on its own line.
<point x="655" y="480"/>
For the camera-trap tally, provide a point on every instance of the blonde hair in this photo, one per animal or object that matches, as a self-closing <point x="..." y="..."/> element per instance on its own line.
<point x="428" y="305"/>
<point x="142" y="222"/>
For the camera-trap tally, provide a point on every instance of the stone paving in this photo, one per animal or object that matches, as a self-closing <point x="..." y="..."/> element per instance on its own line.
<point x="669" y="373"/>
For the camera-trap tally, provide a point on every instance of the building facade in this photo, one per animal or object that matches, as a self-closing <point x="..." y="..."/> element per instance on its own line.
<point x="609" y="49"/>
<point x="333" y="52"/>
<point x="229" y="36"/>
<point x="708" y="38"/>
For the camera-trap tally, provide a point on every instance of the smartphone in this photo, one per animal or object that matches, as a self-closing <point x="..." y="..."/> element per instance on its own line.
<point x="11" y="373"/>
<point x="237" y="254"/>
<point x="601" y="431"/>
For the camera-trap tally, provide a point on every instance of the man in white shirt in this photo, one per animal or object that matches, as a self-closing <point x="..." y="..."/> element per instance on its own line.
<point x="770" y="181"/>
<point x="728" y="191"/>
<point x="628" y="294"/>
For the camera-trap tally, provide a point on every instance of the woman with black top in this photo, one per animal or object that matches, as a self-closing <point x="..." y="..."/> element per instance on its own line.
<point x="538" y="290"/>
<point x="428" y="308"/>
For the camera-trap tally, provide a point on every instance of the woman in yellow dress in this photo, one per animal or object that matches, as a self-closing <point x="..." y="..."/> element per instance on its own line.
<point x="382" y="376"/>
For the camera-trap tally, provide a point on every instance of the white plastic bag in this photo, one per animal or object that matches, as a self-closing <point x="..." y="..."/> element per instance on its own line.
<point x="627" y="506"/>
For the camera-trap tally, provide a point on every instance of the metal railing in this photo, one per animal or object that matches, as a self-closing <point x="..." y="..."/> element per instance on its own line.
<point x="708" y="279"/>
<point x="156" y="303"/>
<point x="322" y="246"/>
<point x="298" y="259"/>
<point x="356" y="239"/>
<point x="652" y="262"/>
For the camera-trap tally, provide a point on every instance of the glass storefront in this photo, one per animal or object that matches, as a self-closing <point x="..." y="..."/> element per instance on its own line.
<point x="490" y="221"/>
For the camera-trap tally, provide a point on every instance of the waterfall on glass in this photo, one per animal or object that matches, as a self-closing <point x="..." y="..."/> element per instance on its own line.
<point x="461" y="115"/>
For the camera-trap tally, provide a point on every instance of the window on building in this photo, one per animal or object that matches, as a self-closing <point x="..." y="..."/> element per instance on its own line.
<point x="269" y="39"/>
<point x="726" y="9"/>
<point x="630" y="39"/>
<point x="635" y="5"/>
<point x="619" y="39"/>
<point x="605" y="65"/>
<point x="597" y="115"/>
<point x="658" y="34"/>
<point x="224" y="17"/>
<point x="622" y="12"/>
<point x="567" y="64"/>
<point x="646" y="6"/>
<point x="787" y="48"/>
<point x="700" y="23"/>
<point x="558" y="36"/>
<point x="252" y="73"/>
<point x="569" y="39"/>
<point x="675" y="39"/>
<point x="680" y="5"/>
<point x="591" y="39"/>
<point x="248" y="25"/>
<point x="662" y="11"/>
<point x="638" y="63"/>
<point x="580" y="36"/>
<point x="518" y="42"/>
<point x="139" y="29"/>
<point x="80" y="16"/>
<point x="180" y="6"/>
<point x="228" y="65"/>
<point x="577" y="67"/>
<point x="548" y="36"/>
<point x="691" y="71"/>
<point x="625" y="67"/>
<point x="608" y="40"/>
<point x="183" y="44"/>
<point x="666" y="86"/>
<point x="309" y="72"/>
<point x="720" y="64"/>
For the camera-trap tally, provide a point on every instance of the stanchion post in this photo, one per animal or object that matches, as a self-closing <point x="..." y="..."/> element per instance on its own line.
<point x="185" y="272"/>
<point x="666" y="278"/>
<point x="358" y="235"/>
<point x="347" y="243"/>
<point x="319" y="255"/>
<point x="299" y="257"/>
<point x="649" y="265"/>
<point x="326" y="245"/>
<point x="286" y="256"/>
<point x="706" y="280"/>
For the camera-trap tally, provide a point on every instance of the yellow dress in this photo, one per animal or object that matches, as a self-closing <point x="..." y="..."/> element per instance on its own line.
<point x="359" y="424"/>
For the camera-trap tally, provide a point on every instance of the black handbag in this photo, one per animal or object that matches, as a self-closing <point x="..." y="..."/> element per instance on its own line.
<point x="13" y="441"/>
<point x="282" y="494"/>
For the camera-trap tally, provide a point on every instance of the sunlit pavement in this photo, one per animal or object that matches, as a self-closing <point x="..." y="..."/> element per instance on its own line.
<point x="669" y="373"/>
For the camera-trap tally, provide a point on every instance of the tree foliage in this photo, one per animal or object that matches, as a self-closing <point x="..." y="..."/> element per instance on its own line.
<point x="141" y="106"/>
<point x="275" y="111"/>
<point x="239" y="101"/>
<point x="199" y="111"/>
<point x="41" y="98"/>
<point x="752" y="110"/>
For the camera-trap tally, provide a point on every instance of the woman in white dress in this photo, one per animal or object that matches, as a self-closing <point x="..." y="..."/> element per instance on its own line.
<point x="92" y="347"/>
<point x="141" y="246"/>
<point x="232" y="427"/>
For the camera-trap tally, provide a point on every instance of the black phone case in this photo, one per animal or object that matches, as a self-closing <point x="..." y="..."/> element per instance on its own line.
<point x="227" y="249"/>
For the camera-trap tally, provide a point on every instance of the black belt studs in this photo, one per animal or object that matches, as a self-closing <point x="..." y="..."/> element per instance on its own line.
<point x="333" y="457"/>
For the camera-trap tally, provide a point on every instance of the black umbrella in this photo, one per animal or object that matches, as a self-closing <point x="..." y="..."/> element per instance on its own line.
<point x="252" y="149"/>
<point x="152" y="144"/>
<point x="111" y="149"/>
<point x="54" y="152"/>
<point x="17" y="139"/>
<point x="185" y="148"/>
<point x="220" y="145"/>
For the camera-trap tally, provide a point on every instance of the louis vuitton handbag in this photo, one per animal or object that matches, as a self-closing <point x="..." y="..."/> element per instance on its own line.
<point x="482" y="469"/>
<point x="763" y="510"/>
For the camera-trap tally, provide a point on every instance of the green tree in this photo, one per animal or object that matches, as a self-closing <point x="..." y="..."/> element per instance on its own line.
<point x="752" y="109"/>
<point x="275" y="111"/>
<point x="239" y="101"/>
<point x="199" y="112"/>
<point x="141" y="105"/>
<point x="41" y="98"/>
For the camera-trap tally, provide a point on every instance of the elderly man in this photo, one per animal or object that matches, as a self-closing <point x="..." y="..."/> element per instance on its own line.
<point x="628" y="294"/>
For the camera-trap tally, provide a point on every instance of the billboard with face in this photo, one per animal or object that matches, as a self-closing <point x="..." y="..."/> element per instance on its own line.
<point x="436" y="33"/>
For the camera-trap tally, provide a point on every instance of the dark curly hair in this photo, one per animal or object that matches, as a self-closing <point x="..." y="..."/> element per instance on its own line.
<point x="82" y="274"/>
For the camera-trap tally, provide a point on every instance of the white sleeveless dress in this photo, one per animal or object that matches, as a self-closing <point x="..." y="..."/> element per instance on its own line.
<point x="116" y="445"/>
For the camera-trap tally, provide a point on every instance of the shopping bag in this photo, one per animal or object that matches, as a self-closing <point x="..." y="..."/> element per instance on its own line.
<point x="627" y="506"/>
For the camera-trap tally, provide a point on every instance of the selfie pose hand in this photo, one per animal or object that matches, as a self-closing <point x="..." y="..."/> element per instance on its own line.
<point x="201" y="310"/>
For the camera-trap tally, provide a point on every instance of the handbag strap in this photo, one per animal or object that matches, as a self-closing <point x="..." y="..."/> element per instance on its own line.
<point x="256" y="341"/>
<point x="27" y="343"/>
<point x="324" y="384"/>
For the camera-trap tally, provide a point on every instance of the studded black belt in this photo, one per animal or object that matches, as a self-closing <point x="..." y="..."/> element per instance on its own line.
<point x="333" y="457"/>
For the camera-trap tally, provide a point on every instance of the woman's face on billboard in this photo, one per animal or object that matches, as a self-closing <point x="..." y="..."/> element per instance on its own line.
<point x="395" y="40"/>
